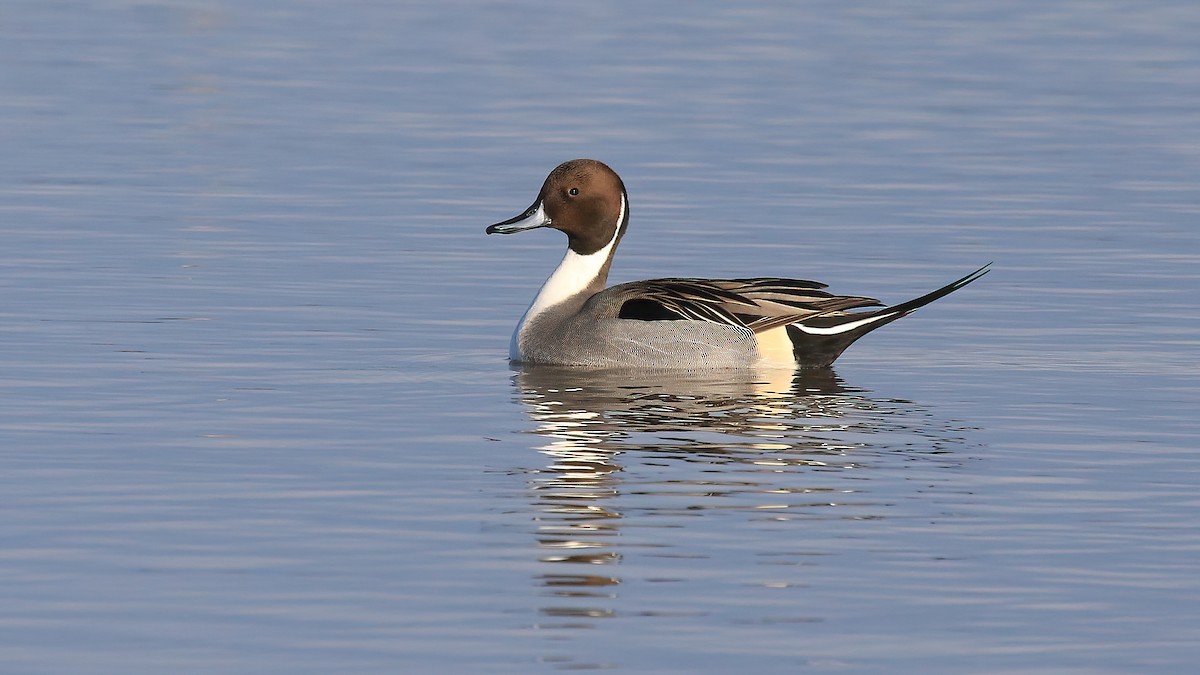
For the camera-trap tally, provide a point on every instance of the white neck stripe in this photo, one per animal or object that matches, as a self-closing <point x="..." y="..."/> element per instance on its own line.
<point x="575" y="273"/>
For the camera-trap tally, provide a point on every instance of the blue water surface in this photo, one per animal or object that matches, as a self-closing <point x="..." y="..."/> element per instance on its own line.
<point x="258" y="415"/>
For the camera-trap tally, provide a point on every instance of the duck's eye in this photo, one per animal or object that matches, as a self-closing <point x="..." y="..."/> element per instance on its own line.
<point x="573" y="191"/>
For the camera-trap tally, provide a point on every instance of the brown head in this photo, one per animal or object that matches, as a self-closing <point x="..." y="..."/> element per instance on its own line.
<point x="583" y="198"/>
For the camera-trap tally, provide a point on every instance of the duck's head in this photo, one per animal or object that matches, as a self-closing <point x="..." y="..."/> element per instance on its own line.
<point x="583" y="198"/>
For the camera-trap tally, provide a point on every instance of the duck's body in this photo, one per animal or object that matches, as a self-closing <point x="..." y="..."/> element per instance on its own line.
<point x="671" y="323"/>
<point x="590" y="332"/>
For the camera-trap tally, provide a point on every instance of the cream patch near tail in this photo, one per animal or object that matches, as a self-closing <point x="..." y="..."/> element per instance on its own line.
<point x="774" y="346"/>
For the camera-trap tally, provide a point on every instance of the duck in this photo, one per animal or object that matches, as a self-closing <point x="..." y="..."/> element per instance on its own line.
<point x="576" y="319"/>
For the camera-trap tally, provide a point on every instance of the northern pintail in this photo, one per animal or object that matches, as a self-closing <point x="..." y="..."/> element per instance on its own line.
<point x="676" y="322"/>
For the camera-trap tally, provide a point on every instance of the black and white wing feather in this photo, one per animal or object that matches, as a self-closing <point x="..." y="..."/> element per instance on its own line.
<point x="758" y="304"/>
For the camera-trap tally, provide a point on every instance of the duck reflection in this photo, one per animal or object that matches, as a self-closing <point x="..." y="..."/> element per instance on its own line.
<point x="648" y="448"/>
<point x="697" y="440"/>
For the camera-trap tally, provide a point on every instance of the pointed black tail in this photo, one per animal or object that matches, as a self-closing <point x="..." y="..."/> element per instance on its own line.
<point x="817" y="342"/>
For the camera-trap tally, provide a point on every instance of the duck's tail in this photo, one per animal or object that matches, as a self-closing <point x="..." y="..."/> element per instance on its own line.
<point x="818" y="341"/>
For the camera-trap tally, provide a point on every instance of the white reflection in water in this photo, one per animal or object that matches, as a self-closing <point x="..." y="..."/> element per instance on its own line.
<point x="663" y="449"/>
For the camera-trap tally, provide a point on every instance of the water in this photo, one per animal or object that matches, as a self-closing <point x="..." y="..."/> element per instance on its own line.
<point x="258" y="418"/>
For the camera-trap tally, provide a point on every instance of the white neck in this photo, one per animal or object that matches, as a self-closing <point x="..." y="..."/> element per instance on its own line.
<point x="574" y="274"/>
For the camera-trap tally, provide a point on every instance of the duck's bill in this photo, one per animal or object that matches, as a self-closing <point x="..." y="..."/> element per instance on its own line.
<point x="534" y="217"/>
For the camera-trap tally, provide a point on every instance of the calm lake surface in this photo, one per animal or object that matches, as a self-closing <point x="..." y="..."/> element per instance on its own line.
<point x="258" y="417"/>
